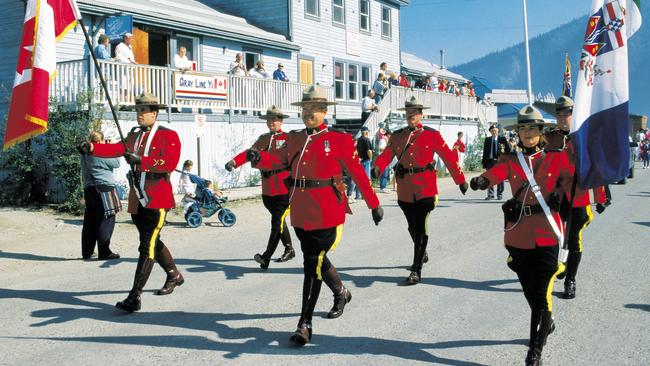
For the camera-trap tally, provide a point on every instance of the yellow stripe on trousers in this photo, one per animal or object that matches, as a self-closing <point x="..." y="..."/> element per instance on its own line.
<point x="339" y="234"/>
<point x="590" y="214"/>
<point x="156" y="231"/>
<point x="426" y="219"/>
<point x="549" y="290"/>
<point x="284" y="216"/>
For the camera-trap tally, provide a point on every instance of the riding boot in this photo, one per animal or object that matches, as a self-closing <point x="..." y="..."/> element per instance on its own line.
<point x="342" y="295"/>
<point x="416" y="248"/>
<point x="174" y="277"/>
<point x="416" y="272"/>
<point x="425" y="240"/>
<point x="143" y="270"/>
<point x="310" y="291"/>
<point x="534" y="356"/>
<point x="289" y="252"/>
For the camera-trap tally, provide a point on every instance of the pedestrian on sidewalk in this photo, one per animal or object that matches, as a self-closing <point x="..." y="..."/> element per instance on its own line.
<point x="415" y="147"/>
<point x="493" y="147"/>
<point x="102" y="203"/>
<point x="275" y="194"/>
<point x="155" y="154"/>
<point x="533" y="226"/>
<point x="316" y="157"/>
<point x="364" y="151"/>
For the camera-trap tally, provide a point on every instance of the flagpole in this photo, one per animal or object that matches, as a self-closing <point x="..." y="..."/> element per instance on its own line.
<point x="530" y="87"/>
<point x="103" y="82"/>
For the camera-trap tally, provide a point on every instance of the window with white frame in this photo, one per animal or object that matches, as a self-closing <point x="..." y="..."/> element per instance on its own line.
<point x="365" y="80"/>
<point x="312" y="8"/>
<point x="386" y="24"/>
<point x="338" y="11"/>
<point x="339" y="80"/>
<point x="364" y="15"/>
<point x="353" y="82"/>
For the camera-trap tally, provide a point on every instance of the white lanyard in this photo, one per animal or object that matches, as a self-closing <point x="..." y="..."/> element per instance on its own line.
<point x="142" y="197"/>
<point x="538" y="194"/>
<point x="295" y="178"/>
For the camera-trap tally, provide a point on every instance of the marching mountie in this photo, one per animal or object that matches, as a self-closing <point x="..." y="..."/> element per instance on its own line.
<point x="533" y="227"/>
<point x="275" y="193"/>
<point x="493" y="146"/>
<point x="580" y="214"/>
<point x="153" y="152"/>
<point x="415" y="147"/>
<point x="316" y="157"/>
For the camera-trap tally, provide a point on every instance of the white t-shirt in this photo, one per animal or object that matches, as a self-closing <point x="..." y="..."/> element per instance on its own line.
<point x="367" y="104"/>
<point x="260" y="74"/>
<point x="237" y="69"/>
<point x="186" y="184"/>
<point x="124" y="53"/>
<point x="182" y="62"/>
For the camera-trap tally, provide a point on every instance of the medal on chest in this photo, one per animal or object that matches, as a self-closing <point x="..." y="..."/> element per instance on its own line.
<point x="326" y="144"/>
<point x="279" y="144"/>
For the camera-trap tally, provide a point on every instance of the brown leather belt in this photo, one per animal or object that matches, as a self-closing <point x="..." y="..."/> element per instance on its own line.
<point x="269" y="173"/>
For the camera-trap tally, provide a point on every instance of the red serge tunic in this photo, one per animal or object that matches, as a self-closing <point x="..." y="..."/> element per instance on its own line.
<point x="321" y="155"/>
<point x="459" y="145"/>
<point x="552" y="171"/>
<point x="423" y="144"/>
<point x="273" y="185"/>
<point x="160" y="155"/>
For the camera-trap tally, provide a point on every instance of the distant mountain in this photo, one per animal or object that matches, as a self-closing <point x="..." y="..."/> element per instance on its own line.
<point x="507" y="68"/>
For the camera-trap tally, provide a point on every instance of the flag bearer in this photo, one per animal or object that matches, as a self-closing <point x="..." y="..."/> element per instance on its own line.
<point x="579" y="216"/>
<point x="275" y="193"/>
<point x="153" y="152"/>
<point x="415" y="147"/>
<point x="316" y="157"/>
<point x="533" y="227"/>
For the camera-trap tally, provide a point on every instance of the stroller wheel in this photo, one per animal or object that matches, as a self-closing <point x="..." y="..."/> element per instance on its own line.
<point x="227" y="217"/>
<point x="194" y="219"/>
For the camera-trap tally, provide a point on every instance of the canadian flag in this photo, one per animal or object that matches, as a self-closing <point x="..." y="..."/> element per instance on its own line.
<point x="46" y="22"/>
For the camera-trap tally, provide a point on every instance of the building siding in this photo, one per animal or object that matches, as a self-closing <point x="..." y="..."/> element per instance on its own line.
<point x="324" y="41"/>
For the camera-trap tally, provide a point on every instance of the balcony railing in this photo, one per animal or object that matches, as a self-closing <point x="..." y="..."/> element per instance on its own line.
<point x="125" y="81"/>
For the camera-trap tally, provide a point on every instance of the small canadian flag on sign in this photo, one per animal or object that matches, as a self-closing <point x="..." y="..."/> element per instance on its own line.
<point x="46" y="22"/>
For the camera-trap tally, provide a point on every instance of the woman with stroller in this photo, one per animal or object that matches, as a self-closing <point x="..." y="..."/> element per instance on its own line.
<point x="533" y="228"/>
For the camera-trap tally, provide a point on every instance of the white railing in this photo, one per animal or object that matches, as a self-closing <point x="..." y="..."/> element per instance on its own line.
<point x="125" y="81"/>
<point x="441" y="105"/>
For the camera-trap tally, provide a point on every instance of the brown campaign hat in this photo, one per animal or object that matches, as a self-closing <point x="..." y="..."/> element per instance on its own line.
<point x="413" y="103"/>
<point x="529" y="115"/>
<point x="563" y="102"/>
<point x="272" y="112"/>
<point x="314" y="94"/>
<point x="148" y="99"/>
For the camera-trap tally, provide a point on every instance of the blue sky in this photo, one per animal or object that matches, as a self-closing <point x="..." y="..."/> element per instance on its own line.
<point x="468" y="29"/>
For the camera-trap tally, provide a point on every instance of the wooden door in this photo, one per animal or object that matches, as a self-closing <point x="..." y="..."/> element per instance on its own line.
<point x="306" y="69"/>
<point x="141" y="46"/>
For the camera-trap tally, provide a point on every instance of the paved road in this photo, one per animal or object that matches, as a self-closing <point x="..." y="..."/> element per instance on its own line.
<point x="469" y="309"/>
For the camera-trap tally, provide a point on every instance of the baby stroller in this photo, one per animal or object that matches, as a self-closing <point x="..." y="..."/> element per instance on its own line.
<point x="205" y="204"/>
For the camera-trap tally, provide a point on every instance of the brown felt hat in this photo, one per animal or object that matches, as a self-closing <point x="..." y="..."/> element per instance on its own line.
<point x="273" y="112"/>
<point x="148" y="99"/>
<point x="413" y="103"/>
<point x="314" y="94"/>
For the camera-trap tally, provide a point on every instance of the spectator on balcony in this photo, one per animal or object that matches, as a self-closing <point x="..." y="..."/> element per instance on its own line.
<point x="181" y="61"/>
<point x="380" y="87"/>
<point x="442" y="86"/>
<point x="464" y="90"/>
<point x="124" y="50"/>
<point x="472" y="92"/>
<point x="237" y="67"/>
<point x="368" y="105"/>
<point x="383" y="69"/>
<point x="259" y="72"/>
<point x="404" y="80"/>
<point x="434" y="81"/>
<point x="393" y="80"/>
<point x="451" y="88"/>
<point x="279" y="73"/>
<point x="102" y="50"/>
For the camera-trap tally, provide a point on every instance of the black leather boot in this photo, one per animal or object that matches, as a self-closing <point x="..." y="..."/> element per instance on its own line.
<point x="546" y="323"/>
<point x="310" y="291"/>
<point x="569" y="289"/>
<point x="416" y="270"/>
<point x="288" y="254"/>
<point x="174" y="276"/>
<point x="143" y="270"/>
<point x="342" y="295"/>
<point x="263" y="261"/>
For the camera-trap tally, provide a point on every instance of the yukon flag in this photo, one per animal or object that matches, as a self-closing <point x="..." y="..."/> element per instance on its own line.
<point x="601" y="128"/>
<point x="567" y="89"/>
<point x="46" y="22"/>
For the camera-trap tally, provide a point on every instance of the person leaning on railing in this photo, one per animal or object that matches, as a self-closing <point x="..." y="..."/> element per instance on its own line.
<point x="102" y="50"/>
<point x="368" y="105"/>
<point x="279" y="74"/>
<point x="181" y="61"/>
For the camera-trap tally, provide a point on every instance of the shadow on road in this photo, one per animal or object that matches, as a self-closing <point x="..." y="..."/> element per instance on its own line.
<point x="642" y="223"/>
<point x="33" y="257"/>
<point x="644" y="307"/>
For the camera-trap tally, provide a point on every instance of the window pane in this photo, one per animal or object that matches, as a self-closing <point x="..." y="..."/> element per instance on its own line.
<point x="338" y="70"/>
<point x="337" y="3"/>
<point x="352" y="95"/>
<point x="385" y="29"/>
<point x="338" y="89"/>
<point x="385" y="14"/>
<point x="365" y="73"/>
<point x="364" y="89"/>
<point x="311" y="7"/>
<point x="337" y="15"/>
<point x="363" y="7"/>
<point x="363" y="22"/>
<point x="352" y="73"/>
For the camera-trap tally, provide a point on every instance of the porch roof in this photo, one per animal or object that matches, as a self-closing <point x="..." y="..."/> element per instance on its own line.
<point x="416" y="64"/>
<point x="190" y="16"/>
